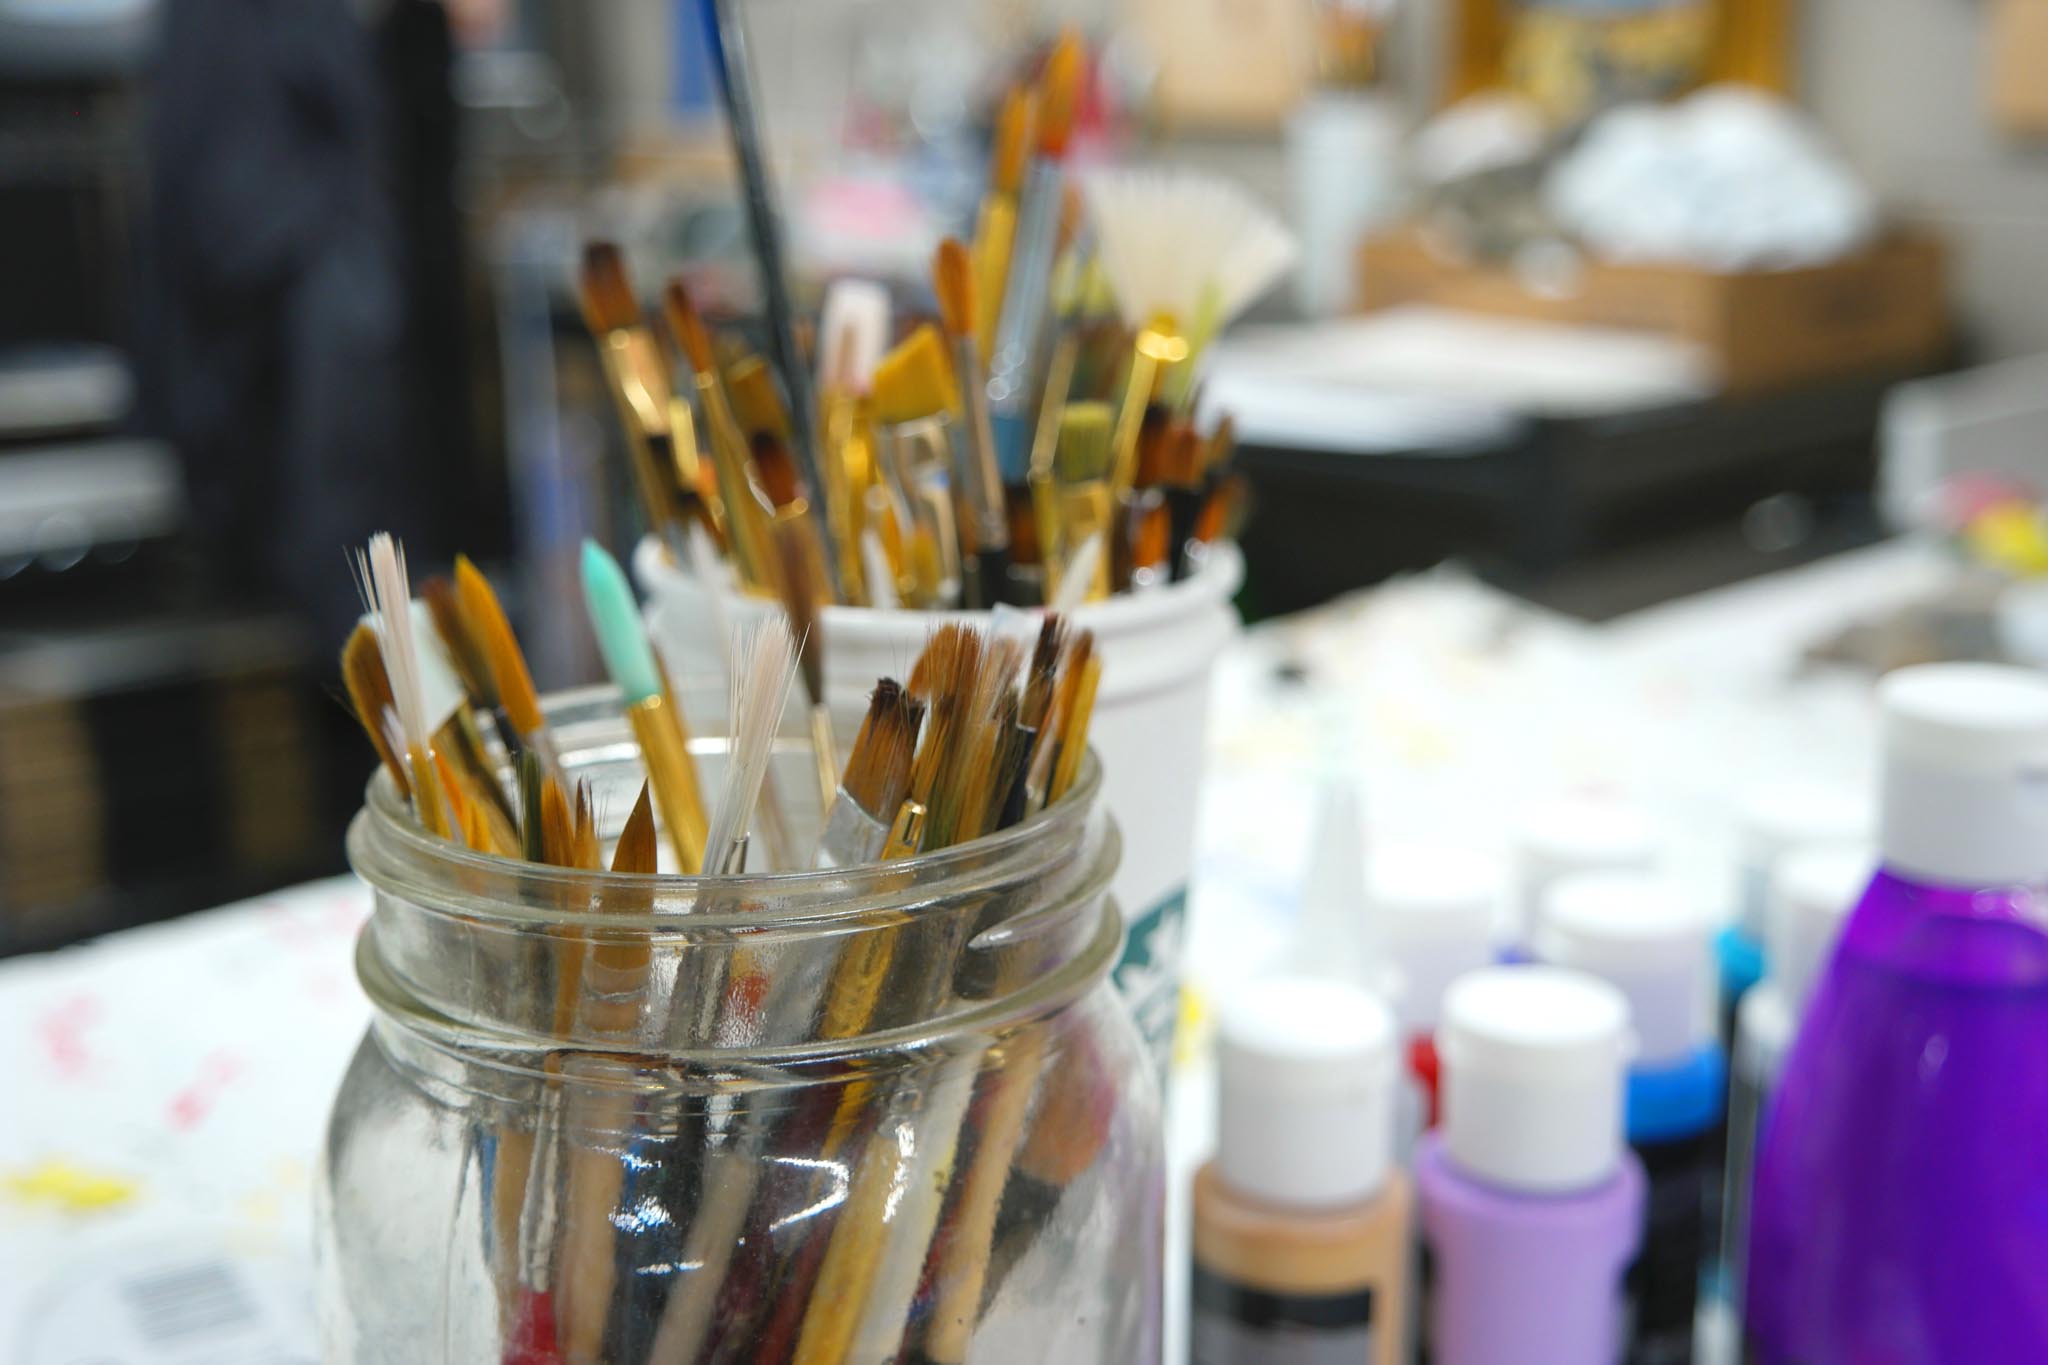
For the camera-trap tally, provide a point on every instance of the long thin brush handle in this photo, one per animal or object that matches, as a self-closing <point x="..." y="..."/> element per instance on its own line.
<point x="728" y="40"/>
<point x="1021" y="328"/>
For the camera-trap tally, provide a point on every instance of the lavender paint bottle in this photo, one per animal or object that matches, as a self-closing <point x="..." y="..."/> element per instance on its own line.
<point x="1900" y="1198"/>
<point x="1532" y="1204"/>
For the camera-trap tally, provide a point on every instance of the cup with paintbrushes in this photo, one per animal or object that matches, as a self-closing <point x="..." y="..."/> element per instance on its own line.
<point x="683" y="1127"/>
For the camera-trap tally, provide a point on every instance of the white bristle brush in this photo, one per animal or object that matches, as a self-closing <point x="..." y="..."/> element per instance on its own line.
<point x="853" y="331"/>
<point x="1183" y="245"/>
<point x="388" y="592"/>
<point x="763" y="666"/>
<point x="1184" y="253"/>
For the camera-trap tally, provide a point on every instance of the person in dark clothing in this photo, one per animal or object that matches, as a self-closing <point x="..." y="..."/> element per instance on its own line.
<point x="296" y="341"/>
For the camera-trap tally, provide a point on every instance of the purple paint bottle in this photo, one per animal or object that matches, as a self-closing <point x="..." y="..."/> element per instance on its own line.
<point x="1532" y="1204"/>
<point x="1900" y="1200"/>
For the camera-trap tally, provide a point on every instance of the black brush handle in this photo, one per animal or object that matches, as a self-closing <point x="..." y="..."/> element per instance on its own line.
<point x="728" y="39"/>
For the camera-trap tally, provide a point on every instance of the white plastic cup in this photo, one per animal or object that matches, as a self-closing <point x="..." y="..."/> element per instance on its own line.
<point x="1158" y="648"/>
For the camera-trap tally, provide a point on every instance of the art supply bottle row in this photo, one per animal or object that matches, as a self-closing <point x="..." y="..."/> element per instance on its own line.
<point x="1561" y="1117"/>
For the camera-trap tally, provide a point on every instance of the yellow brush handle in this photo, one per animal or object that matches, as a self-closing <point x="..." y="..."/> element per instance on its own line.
<point x="995" y="232"/>
<point x="664" y="747"/>
<point x="1159" y="343"/>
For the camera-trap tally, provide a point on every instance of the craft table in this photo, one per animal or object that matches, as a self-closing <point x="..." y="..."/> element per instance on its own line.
<point x="167" y="1085"/>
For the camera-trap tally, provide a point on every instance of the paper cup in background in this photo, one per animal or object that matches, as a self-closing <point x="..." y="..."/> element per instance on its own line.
<point x="1157" y="647"/>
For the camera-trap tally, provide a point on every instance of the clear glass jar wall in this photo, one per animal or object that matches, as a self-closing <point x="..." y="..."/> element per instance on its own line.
<point x="605" y="1118"/>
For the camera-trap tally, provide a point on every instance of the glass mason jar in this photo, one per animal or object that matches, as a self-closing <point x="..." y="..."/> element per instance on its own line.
<point x="618" y="1118"/>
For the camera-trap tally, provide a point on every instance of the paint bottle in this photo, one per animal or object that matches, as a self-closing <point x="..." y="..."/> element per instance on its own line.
<point x="1301" y="1220"/>
<point x="1773" y="818"/>
<point x="1897" y="1210"/>
<point x="1563" y="839"/>
<point x="1642" y="935"/>
<point x="1434" y="912"/>
<point x="1532" y="1204"/>
<point x="1812" y="891"/>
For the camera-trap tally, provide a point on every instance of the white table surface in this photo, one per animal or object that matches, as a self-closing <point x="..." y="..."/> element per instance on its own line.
<point x="165" y="1087"/>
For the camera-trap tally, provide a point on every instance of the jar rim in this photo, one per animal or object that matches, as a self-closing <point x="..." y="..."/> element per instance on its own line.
<point x="395" y="854"/>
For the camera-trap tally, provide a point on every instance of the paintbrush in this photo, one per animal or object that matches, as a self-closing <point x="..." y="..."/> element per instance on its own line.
<point x="876" y="781"/>
<point x="880" y="574"/>
<point x="980" y="480"/>
<point x="656" y="720"/>
<point x="1075" y="652"/>
<point x="800" y="572"/>
<point x="963" y="1256"/>
<point x="995" y="227"/>
<point x="763" y="668"/>
<point x="599" y="1102"/>
<point x="1081" y="476"/>
<point x="1037" y="504"/>
<point x="853" y="330"/>
<point x="869" y="1275"/>
<point x="745" y="520"/>
<point x="728" y="41"/>
<point x="943" y="679"/>
<point x="637" y="374"/>
<point x="755" y="401"/>
<point x="520" y="704"/>
<point x="1021" y="323"/>
<point x="716" y="1003"/>
<point x="913" y="401"/>
<point x="1181" y="492"/>
<point x="1074" y="725"/>
<point x="369" y="693"/>
<point x="472" y="664"/>
<point x="456" y="742"/>
<point x="817" y="1320"/>
<point x="1184" y="253"/>
<point x="559" y="831"/>
<point x="381" y="574"/>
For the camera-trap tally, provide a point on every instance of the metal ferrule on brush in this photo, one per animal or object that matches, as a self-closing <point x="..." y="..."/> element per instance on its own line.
<point x="746" y="521"/>
<point x="639" y="383"/>
<point x="852" y="837"/>
<point x="918" y="456"/>
<point x="983" y="481"/>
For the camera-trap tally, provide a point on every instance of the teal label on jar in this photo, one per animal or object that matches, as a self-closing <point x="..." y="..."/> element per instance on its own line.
<point x="1149" y="973"/>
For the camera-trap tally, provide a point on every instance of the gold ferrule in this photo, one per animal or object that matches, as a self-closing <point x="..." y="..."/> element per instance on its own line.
<point x="917" y="456"/>
<point x="639" y="377"/>
<point x="845" y="457"/>
<point x="665" y="750"/>
<point x="1159" y="344"/>
<point x="642" y="394"/>
<point x="694" y="475"/>
<point x="1086" y="509"/>
<point x="746" y="520"/>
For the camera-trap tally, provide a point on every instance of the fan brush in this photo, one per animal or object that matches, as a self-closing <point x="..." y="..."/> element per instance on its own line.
<point x="1184" y="254"/>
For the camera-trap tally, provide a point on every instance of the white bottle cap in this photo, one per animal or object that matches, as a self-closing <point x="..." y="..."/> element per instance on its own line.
<point x="1764" y="1029"/>
<point x="1577" y="834"/>
<point x="1775" y="817"/>
<point x="1307" y="1079"/>
<point x="1966" y="774"/>
<point x="1534" y="1068"/>
<point x="1645" y="937"/>
<point x="1333" y="936"/>
<point x="1435" y="909"/>
<point x="1812" y="892"/>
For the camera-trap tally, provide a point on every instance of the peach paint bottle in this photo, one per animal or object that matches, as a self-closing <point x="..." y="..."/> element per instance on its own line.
<point x="1302" y="1218"/>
